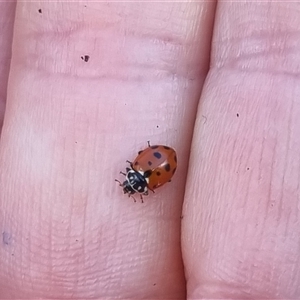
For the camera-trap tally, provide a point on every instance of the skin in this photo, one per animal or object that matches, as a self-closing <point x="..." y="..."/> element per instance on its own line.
<point x="219" y="83"/>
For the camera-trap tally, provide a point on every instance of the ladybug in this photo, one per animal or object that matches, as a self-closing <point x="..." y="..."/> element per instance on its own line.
<point x="152" y="168"/>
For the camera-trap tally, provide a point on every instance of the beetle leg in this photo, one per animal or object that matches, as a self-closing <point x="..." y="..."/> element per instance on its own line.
<point x="142" y="198"/>
<point x="130" y="196"/>
<point x="148" y="142"/>
<point x="130" y="162"/>
<point x="122" y="173"/>
<point x="147" y="173"/>
<point x="120" y="183"/>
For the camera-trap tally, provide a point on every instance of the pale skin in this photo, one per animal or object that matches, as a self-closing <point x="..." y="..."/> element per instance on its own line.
<point x="87" y="87"/>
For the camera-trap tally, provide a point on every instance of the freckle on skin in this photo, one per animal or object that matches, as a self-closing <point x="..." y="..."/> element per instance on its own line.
<point x="6" y="238"/>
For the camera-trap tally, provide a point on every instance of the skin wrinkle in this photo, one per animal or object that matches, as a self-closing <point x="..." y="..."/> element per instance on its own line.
<point x="119" y="71"/>
<point x="164" y="44"/>
<point x="273" y="274"/>
<point x="7" y="12"/>
<point x="280" y="206"/>
<point x="279" y="35"/>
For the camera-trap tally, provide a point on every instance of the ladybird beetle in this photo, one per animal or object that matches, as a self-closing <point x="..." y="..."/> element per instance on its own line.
<point x="152" y="168"/>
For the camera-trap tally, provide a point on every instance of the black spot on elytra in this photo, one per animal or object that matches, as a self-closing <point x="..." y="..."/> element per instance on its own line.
<point x="167" y="167"/>
<point x="40" y="11"/>
<point x="149" y="163"/>
<point x="174" y="171"/>
<point x="157" y="154"/>
<point x="158" y="173"/>
<point x="166" y="147"/>
<point x="153" y="147"/>
<point x="147" y="173"/>
<point x="175" y="158"/>
<point x="85" y="58"/>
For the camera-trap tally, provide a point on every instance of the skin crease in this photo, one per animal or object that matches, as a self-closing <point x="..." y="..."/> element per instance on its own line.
<point x="67" y="229"/>
<point x="7" y="14"/>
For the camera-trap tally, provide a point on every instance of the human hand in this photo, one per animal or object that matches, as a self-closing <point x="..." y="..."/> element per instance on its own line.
<point x="89" y="84"/>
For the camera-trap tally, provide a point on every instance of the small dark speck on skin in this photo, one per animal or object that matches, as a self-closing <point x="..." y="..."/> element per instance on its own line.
<point x="157" y="126"/>
<point x="76" y="240"/>
<point x="6" y="238"/>
<point x="154" y="283"/>
<point x="40" y="10"/>
<point x="237" y="114"/>
<point x="248" y="168"/>
<point x="85" y="58"/>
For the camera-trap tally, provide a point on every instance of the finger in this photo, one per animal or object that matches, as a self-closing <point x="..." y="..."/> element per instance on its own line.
<point x="240" y="223"/>
<point x="89" y="85"/>
<point x="7" y="12"/>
